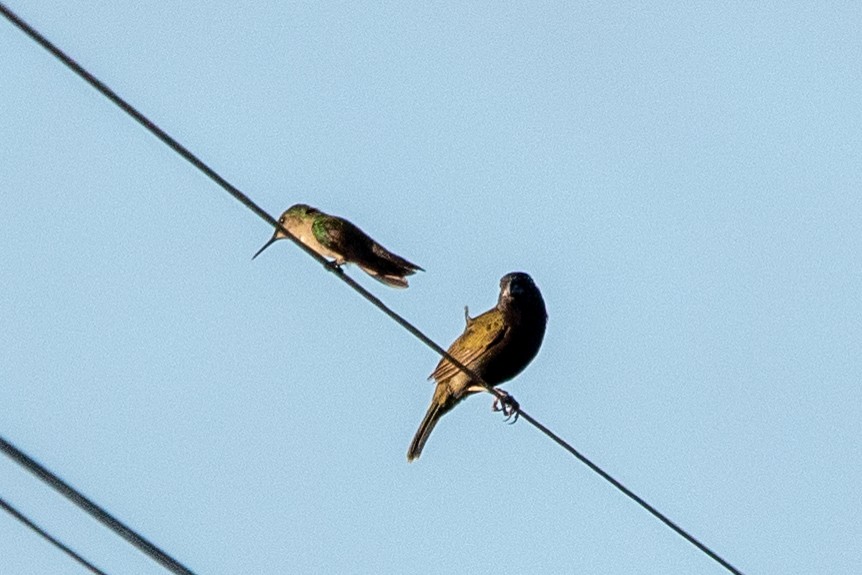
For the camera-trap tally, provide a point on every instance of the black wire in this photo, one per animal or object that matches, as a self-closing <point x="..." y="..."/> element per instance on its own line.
<point x="58" y="544"/>
<point x="93" y="509"/>
<point x="231" y="189"/>
<point x="251" y="205"/>
<point x="631" y="494"/>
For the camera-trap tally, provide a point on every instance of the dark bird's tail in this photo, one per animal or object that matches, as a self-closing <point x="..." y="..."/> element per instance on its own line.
<point x="440" y="405"/>
<point x="431" y="419"/>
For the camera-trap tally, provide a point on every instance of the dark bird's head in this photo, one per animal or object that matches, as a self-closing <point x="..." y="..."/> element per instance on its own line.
<point x="518" y="292"/>
<point x="518" y="285"/>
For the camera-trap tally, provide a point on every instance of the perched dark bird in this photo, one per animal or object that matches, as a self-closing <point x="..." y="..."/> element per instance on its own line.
<point x="334" y="237"/>
<point x="496" y="345"/>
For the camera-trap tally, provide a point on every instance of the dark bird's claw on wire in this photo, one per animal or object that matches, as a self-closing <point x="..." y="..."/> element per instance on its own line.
<point x="507" y="404"/>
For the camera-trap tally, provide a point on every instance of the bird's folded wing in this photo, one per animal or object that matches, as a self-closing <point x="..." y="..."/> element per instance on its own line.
<point x="480" y="337"/>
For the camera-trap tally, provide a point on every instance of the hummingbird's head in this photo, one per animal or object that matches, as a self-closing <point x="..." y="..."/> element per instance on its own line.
<point x="292" y="218"/>
<point x="298" y="212"/>
<point x="518" y="290"/>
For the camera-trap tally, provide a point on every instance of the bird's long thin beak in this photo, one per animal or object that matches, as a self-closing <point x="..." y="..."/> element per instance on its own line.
<point x="266" y="245"/>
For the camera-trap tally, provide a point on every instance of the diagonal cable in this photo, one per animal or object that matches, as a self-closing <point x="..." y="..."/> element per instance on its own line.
<point x="92" y="508"/>
<point x="54" y="541"/>
<point x="251" y="205"/>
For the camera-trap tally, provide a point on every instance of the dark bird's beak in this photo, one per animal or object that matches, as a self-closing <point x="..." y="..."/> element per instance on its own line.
<point x="266" y="245"/>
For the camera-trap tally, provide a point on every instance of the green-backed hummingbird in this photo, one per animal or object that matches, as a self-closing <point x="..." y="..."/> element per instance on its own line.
<point x="337" y="238"/>
<point x="496" y="345"/>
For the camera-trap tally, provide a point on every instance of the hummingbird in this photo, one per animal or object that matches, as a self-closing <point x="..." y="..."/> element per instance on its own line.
<point x="496" y="345"/>
<point x="337" y="238"/>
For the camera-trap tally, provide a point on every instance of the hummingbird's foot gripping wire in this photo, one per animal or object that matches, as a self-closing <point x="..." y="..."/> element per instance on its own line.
<point x="507" y="404"/>
<point x="336" y="267"/>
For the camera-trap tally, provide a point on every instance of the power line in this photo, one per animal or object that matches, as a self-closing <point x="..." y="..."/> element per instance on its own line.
<point x="57" y="543"/>
<point x="93" y="509"/>
<point x="251" y="205"/>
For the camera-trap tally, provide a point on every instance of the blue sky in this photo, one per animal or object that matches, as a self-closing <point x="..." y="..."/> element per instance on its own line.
<point x="682" y="182"/>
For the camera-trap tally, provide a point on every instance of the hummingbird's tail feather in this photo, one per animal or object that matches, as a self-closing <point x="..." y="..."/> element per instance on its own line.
<point x="386" y="278"/>
<point x="442" y="403"/>
<point x="401" y="265"/>
<point x="380" y="263"/>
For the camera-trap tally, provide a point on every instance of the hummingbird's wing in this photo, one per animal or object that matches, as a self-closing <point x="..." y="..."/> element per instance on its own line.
<point x="342" y="237"/>
<point x="481" y="336"/>
<point x="332" y="233"/>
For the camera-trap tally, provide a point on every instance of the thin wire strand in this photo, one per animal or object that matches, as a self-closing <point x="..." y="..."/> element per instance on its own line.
<point x="93" y="509"/>
<point x="251" y="205"/>
<point x="57" y="543"/>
